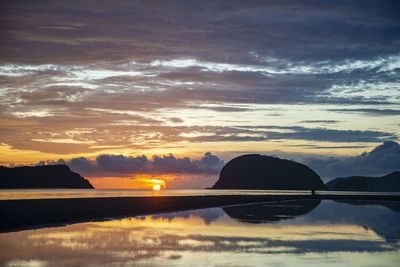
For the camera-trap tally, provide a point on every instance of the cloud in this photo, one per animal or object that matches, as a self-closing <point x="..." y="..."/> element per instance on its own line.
<point x="320" y="121"/>
<point x="370" y="111"/>
<point x="331" y="135"/>
<point x="208" y="215"/>
<point x="258" y="133"/>
<point x="91" y="130"/>
<point x="119" y="165"/>
<point x="153" y="30"/>
<point x="382" y="160"/>
<point x="71" y="83"/>
<point x="81" y="165"/>
<point x="147" y="239"/>
<point x="170" y="164"/>
<point x="374" y="215"/>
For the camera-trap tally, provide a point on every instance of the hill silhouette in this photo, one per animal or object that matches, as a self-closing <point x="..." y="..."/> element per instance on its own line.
<point x="49" y="176"/>
<point x="387" y="183"/>
<point x="255" y="171"/>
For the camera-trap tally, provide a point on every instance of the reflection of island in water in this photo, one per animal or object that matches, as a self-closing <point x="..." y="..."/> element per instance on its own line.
<point x="382" y="217"/>
<point x="266" y="212"/>
<point x="294" y="233"/>
<point x="393" y="205"/>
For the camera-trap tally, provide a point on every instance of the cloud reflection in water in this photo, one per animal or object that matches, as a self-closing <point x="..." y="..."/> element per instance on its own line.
<point x="331" y="233"/>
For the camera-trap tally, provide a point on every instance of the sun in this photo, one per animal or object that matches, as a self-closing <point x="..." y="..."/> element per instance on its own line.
<point x="156" y="187"/>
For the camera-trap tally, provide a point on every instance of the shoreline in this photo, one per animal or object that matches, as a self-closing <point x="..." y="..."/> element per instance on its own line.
<point x="25" y="214"/>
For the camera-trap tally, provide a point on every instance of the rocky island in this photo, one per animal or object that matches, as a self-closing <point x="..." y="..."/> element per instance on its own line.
<point x="49" y="176"/>
<point x="387" y="183"/>
<point x="260" y="172"/>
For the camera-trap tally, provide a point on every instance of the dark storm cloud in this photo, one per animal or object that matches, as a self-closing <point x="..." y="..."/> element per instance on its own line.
<point x="108" y="165"/>
<point x="381" y="160"/>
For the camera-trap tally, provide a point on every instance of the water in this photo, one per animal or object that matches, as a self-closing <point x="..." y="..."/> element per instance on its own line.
<point x="90" y="193"/>
<point x="291" y="233"/>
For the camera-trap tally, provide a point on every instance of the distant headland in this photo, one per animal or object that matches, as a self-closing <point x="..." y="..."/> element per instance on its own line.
<point x="387" y="183"/>
<point x="255" y="171"/>
<point x="49" y="176"/>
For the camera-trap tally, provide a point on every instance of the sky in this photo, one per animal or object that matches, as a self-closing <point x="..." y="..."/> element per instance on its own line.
<point x="128" y="90"/>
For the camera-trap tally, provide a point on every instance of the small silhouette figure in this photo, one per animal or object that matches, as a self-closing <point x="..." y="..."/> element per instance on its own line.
<point x="313" y="192"/>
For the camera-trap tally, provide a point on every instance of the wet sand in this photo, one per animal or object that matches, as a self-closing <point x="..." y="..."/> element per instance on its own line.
<point x="25" y="214"/>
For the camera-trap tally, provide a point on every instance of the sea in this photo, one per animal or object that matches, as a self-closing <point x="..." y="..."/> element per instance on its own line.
<point x="285" y="233"/>
<point x="94" y="193"/>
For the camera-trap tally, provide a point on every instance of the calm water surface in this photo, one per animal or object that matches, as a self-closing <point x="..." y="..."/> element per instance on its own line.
<point x="90" y="193"/>
<point x="293" y="233"/>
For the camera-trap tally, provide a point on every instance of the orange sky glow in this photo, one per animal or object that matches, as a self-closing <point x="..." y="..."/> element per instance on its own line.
<point x="129" y="183"/>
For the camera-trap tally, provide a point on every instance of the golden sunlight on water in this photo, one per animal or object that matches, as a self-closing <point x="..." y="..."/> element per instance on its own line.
<point x="330" y="234"/>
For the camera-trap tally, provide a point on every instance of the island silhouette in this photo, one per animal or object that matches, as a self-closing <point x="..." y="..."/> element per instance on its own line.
<point x="48" y="176"/>
<point x="251" y="171"/>
<point x="387" y="183"/>
<point x="254" y="171"/>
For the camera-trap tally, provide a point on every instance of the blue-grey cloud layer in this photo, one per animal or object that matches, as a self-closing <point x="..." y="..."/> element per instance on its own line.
<point x="217" y="30"/>
<point x="119" y="165"/>
<point x="72" y="72"/>
<point x="383" y="159"/>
